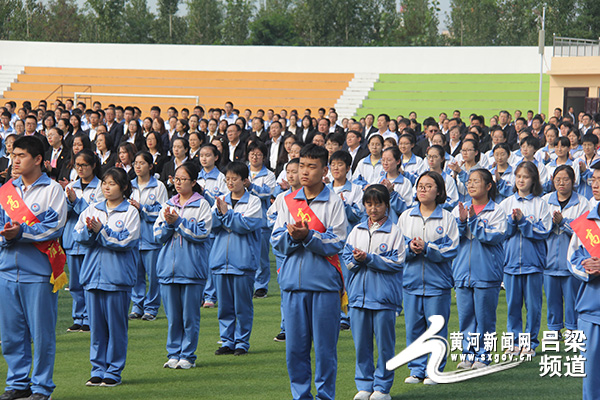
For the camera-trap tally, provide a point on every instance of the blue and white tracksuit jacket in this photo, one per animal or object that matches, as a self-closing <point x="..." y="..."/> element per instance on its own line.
<point x="551" y="167"/>
<point x="401" y="198"/>
<point x="213" y="183"/>
<point x="367" y="173"/>
<point x="585" y="181"/>
<point x="478" y="272"/>
<point x="413" y="168"/>
<point x="461" y="181"/>
<point x="506" y="184"/>
<point x="353" y="194"/>
<point x="150" y="198"/>
<point x="588" y="310"/>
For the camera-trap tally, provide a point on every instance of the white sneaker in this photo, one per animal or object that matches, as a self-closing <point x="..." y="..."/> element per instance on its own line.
<point x="428" y="381"/>
<point x="413" y="379"/>
<point x="377" y="395"/>
<point x="172" y="363"/>
<point x="362" y="395"/>
<point x="528" y="352"/>
<point x="185" y="364"/>
<point x="464" y="365"/>
<point x="479" y="365"/>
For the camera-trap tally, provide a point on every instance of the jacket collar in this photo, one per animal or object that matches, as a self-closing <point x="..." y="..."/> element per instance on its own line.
<point x="323" y="196"/>
<point x="151" y="183"/>
<point x="193" y="201"/>
<point x="573" y="201"/>
<point x="43" y="180"/>
<point x="437" y="213"/>
<point x="243" y="200"/>
<point x="528" y="197"/>
<point x="213" y="174"/>
<point x="120" y="208"/>
<point x="93" y="184"/>
<point x="490" y="206"/>
<point x="346" y="188"/>
<point x="385" y="228"/>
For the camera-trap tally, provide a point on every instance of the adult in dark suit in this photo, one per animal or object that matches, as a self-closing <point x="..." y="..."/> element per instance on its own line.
<point x="333" y="125"/>
<point x="57" y="154"/>
<point x="509" y="130"/>
<point x="108" y="157"/>
<point x="305" y="133"/>
<point x="369" y="128"/>
<point x="258" y="131"/>
<point x="114" y="129"/>
<point x="30" y="130"/>
<point x="154" y="146"/>
<point x="276" y="153"/>
<point x="431" y="128"/>
<point x="134" y="135"/>
<point x="353" y="141"/>
<point x="237" y="148"/>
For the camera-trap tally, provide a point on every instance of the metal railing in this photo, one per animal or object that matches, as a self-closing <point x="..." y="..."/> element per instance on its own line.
<point x="90" y="95"/>
<point x="571" y="47"/>
<point x="63" y="96"/>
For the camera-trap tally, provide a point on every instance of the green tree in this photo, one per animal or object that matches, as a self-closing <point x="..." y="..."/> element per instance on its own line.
<point x="419" y="23"/>
<point x="104" y="21"/>
<point x="64" y="21"/>
<point x="274" y="25"/>
<point x="204" y="20"/>
<point x="238" y="15"/>
<point x="313" y="21"/>
<point x="169" y="27"/>
<point x="12" y="18"/>
<point x="386" y="22"/>
<point x="138" y="22"/>
<point x="473" y="22"/>
<point x="518" y="22"/>
<point x="587" y="24"/>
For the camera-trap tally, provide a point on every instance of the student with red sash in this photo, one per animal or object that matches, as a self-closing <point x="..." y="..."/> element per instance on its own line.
<point x="584" y="264"/>
<point x="33" y="216"/>
<point x="310" y="231"/>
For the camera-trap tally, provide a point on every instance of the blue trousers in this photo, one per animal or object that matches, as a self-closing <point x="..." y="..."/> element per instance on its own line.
<point x="210" y="292"/>
<point x="146" y="302"/>
<point x="79" y="312"/>
<point x="236" y="310"/>
<point x="528" y="288"/>
<point x="28" y="313"/>
<point x="477" y="314"/>
<point x="417" y="310"/>
<point x="182" y="306"/>
<point x="108" y="326"/>
<point x="365" y="324"/>
<point x="263" y="273"/>
<point x="311" y="317"/>
<point x="559" y="289"/>
<point x="591" y="382"/>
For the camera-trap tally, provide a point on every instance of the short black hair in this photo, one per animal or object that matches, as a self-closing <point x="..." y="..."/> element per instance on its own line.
<point x="591" y="138"/>
<point x="147" y="157"/>
<point x="190" y="168"/>
<point x="315" y="152"/>
<point x="30" y="144"/>
<point x="92" y="159"/>
<point x="568" y="169"/>
<point x="487" y="179"/>
<point x="336" y="137"/>
<point x="564" y="141"/>
<point x="341" y="155"/>
<point x="439" y="182"/>
<point x="257" y="144"/>
<point x="239" y="168"/>
<point x="293" y="161"/>
<point x="504" y="146"/>
<point x="531" y="141"/>
<point x="120" y="177"/>
<point x="377" y="193"/>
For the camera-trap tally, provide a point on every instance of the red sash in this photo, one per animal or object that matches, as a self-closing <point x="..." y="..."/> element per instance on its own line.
<point x="18" y="211"/>
<point x="588" y="232"/>
<point x="301" y="211"/>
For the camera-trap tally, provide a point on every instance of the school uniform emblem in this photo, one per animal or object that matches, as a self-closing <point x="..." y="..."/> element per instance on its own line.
<point x="119" y="224"/>
<point x="439" y="230"/>
<point x="93" y="196"/>
<point x="485" y="221"/>
<point x="35" y="207"/>
<point x="152" y="197"/>
<point x="383" y="247"/>
<point x="192" y="220"/>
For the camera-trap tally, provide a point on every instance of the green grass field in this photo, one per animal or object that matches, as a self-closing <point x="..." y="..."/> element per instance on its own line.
<point x="431" y="94"/>
<point x="262" y="373"/>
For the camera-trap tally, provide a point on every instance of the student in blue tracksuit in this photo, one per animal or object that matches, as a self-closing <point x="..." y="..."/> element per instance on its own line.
<point x="589" y="145"/>
<point x="147" y="195"/>
<point x="112" y="230"/>
<point x="311" y="284"/>
<point x="234" y="257"/>
<point x="369" y="169"/>
<point x="412" y="165"/>
<point x="400" y="188"/>
<point x="212" y="181"/>
<point x="503" y="172"/>
<point x="528" y="226"/>
<point x="471" y="160"/>
<point x="431" y="236"/>
<point x="261" y="184"/>
<point x="182" y="228"/>
<point x="374" y="256"/>
<point x="291" y="169"/>
<point x="80" y="194"/>
<point x="478" y="268"/>
<point x="436" y="161"/>
<point x="29" y="305"/>
<point x="587" y="269"/>
<point x="560" y="286"/>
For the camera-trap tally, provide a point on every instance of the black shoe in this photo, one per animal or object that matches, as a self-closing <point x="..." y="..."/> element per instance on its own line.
<point x="260" y="293"/>
<point x="222" y="351"/>
<point x="344" y="327"/>
<point x="84" y="328"/>
<point x="38" y="396"/>
<point x="240" y="352"/>
<point x="16" y="394"/>
<point x="280" y="337"/>
<point x="109" y="382"/>
<point x="74" y="328"/>
<point x="135" y="315"/>
<point x="94" y="381"/>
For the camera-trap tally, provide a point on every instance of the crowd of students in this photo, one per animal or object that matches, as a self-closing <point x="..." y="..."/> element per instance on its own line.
<point x="365" y="222"/>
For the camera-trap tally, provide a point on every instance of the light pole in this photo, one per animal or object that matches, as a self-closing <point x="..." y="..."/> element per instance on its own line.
<point x="542" y="42"/>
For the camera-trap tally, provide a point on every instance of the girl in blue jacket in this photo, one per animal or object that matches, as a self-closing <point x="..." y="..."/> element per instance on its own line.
<point x="80" y="194"/>
<point x="374" y="256"/>
<point x="182" y="227"/>
<point x="560" y="286"/>
<point x="528" y="225"/>
<point x="147" y="196"/>
<point x="431" y="237"/>
<point x="478" y="268"/>
<point x="112" y="230"/>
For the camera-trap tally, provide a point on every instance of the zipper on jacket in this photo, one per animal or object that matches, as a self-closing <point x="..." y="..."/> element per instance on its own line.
<point x="423" y="256"/>
<point x="365" y="275"/>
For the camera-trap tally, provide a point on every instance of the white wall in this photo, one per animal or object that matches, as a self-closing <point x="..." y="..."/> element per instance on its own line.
<point x="426" y="60"/>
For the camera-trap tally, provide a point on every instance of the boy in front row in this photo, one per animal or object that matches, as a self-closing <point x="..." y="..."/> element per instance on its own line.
<point x="310" y="232"/>
<point x="32" y="219"/>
